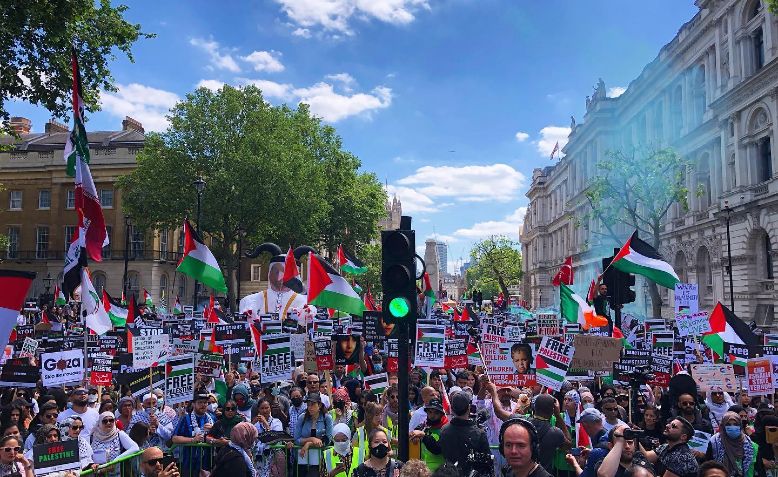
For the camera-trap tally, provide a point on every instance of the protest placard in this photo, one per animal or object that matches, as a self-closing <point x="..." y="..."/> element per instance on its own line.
<point x="231" y="333"/>
<point x="179" y="380"/>
<point x="143" y="381"/>
<point x="323" y="350"/>
<point x="101" y="374"/>
<point x="552" y="362"/>
<point x="710" y="377"/>
<point x="376" y="383"/>
<point x="759" y="372"/>
<point x="18" y="372"/>
<point x="148" y="351"/>
<point x="277" y="363"/>
<point x="392" y="353"/>
<point x="492" y="333"/>
<point x="297" y="343"/>
<point x="29" y="347"/>
<point x="663" y="343"/>
<point x="509" y="364"/>
<point x="430" y="345"/>
<point x="56" y="457"/>
<point x="209" y="364"/>
<point x="62" y="368"/>
<point x="309" y="362"/>
<point x="693" y="324"/>
<point x="373" y="330"/>
<point x="456" y="353"/>
<point x="700" y="441"/>
<point x="548" y="325"/>
<point x="596" y="353"/>
<point x="686" y="298"/>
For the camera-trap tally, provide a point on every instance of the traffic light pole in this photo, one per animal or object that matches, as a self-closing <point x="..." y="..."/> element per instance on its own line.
<point x="403" y="417"/>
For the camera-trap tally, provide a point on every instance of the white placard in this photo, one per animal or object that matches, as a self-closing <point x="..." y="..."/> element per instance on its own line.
<point x="686" y="298"/>
<point x="693" y="324"/>
<point x="62" y="367"/>
<point x="149" y="350"/>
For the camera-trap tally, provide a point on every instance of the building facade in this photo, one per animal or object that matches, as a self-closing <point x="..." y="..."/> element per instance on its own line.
<point x="443" y="257"/>
<point x="712" y="95"/>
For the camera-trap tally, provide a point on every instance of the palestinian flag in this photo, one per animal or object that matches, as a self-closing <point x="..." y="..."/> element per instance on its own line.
<point x="116" y="313"/>
<point x="369" y="301"/>
<point x="576" y="310"/>
<point x="640" y="258"/>
<point x="90" y="213"/>
<point x="550" y="369"/>
<point x="619" y="335"/>
<point x="256" y="337"/>
<point x="92" y="309"/>
<point x="349" y="263"/>
<point x="376" y="383"/>
<point x="177" y="308"/>
<point x="75" y="260"/>
<point x="124" y="299"/>
<point x="592" y="294"/>
<point x="356" y="287"/>
<point x="474" y="355"/>
<point x="132" y="311"/>
<point x="15" y="286"/>
<point x="199" y="263"/>
<point x="429" y="292"/>
<point x="275" y="345"/>
<point x="77" y="145"/>
<point x="662" y="339"/>
<point x="727" y="328"/>
<point x="147" y="298"/>
<point x="291" y="278"/>
<point x="431" y="333"/>
<point x="59" y="297"/>
<point x="328" y="289"/>
<point x="771" y="339"/>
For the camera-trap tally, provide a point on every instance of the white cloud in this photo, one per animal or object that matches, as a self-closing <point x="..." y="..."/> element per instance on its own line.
<point x="521" y="136"/>
<point x="412" y="200"/>
<point x="270" y="89"/>
<point x="616" y="91"/>
<point x="404" y="160"/>
<point x="495" y="182"/>
<point x="213" y="85"/>
<point x="219" y="59"/>
<point x="346" y="80"/>
<point x="332" y="106"/>
<point x="334" y="15"/>
<point x="549" y="136"/>
<point x="265" y="61"/>
<point x="144" y="103"/>
<point x="509" y="226"/>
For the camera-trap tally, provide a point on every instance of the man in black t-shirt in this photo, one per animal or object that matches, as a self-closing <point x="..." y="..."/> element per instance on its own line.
<point x="519" y="446"/>
<point x="675" y="459"/>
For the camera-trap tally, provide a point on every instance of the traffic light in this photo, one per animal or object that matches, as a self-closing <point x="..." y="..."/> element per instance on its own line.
<point x="619" y="283"/>
<point x="398" y="275"/>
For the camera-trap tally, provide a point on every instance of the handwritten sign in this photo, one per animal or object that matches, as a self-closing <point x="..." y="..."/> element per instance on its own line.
<point x="714" y="377"/>
<point x="759" y="372"/>
<point x="596" y="353"/>
<point x="29" y="347"/>
<point x="693" y="324"/>
<point x="686" y="298"/>
<point x="148" y="351"/>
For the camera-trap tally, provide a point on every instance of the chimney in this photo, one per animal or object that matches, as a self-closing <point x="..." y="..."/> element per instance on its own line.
<point x="20" y="125"/>
<point x="56" y="127"/>
<point x="130" y="124"/>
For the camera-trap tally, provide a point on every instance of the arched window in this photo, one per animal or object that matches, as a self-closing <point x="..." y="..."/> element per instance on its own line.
<point x="133" y="282"/>
<point x="99" y="280"/>
<point x="699" y="94"/>
<point x="763" y="260"/>
<point x="163" y="287"/>
<point x="181" y="285"/>
<point x="680" y="266"/>
<point x="703" y="179"/>
<point x="704" y="273"/>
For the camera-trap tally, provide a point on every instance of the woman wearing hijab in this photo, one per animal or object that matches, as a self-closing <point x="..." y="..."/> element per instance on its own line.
<point x="235" y="459"/>
<point x="718" y="402"/>
<point x="108" y="442"/>
<point x="732" y="447"/>
<point x="342" y="411"/>
<point x="223" y="427"/>
<point x="124" y="415"/>
<point x="340" y="460"/>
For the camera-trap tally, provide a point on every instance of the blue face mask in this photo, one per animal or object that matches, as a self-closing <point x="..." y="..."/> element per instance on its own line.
<point x="378" y="368"/>
<point x="733" y="432"/>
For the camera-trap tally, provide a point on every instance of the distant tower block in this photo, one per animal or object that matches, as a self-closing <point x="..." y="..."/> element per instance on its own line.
<point x="443" y="257"/>
<point x="433" y="262"/>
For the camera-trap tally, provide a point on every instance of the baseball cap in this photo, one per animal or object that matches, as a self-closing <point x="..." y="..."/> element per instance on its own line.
<point x="591" y="415"/>
<point x="436" y="405"/>
<point x="313" y="397"/>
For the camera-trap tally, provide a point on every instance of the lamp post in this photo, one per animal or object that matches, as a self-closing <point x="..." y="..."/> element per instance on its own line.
<point x="241" y="234"/>
<point x="127" y="225"/>
<point x="199" y="186"/>
<point x="728" y="212"/>
<point x="45" y="299"/>
<point x="645" y="297"/>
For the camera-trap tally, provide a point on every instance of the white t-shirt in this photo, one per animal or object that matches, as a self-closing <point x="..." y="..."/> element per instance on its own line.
<point x="89" y="417"/>
<point x="607" y="426"/>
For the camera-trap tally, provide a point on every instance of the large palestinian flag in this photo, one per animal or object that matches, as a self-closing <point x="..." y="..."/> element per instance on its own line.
<point x="328" y="289"/>
<point x="199" y="263"/>
<point x="727" y="328"/>
<point x="15" y="286"/>
<point x="116" y="313"/>
<point x="640" y="258"/>
<point x="349" y="263"/>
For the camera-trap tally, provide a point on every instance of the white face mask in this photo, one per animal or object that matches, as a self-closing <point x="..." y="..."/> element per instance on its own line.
<point x="342" y="448"/>
<point x="212" y="407"/>
<point x="588" y="405"/>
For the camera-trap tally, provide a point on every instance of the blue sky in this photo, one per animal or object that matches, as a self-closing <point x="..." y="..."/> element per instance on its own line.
<point x="453" y="103"/>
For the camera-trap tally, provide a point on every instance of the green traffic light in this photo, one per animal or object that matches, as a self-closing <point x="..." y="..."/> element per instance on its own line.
<point x="399" y="307"/>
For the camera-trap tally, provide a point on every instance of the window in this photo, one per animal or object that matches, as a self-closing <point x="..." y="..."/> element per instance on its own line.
<point x="136" y="243"/>
<point x="98" y="280"/>
<point x="677" y="111"/>
<point x="133" y="282"/>
<point x="106" y="253"/>
<point x="69" y="231"/>
<point x="768" y="258"/>
<point x="181" y="238"/>
<point x="765" y="160"/>
<point x="758" y="49"/>
<point x="163" y="287"/>
<point x="699" y="94"/>
<point x="70" y="201"/>
<point x="181" y="285"/>
<point x="256" y="273"/>
<point x="163" y="244"/>
<point x="42" y="242"/>
<point x="106" y="197"/>
<point x="44" y="199"/>
<point x="16" y="200"/>
<point x="13" y="242"/>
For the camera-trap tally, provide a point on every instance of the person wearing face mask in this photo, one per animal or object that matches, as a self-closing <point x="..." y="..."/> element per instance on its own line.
<point x="342" y="411"/>
<point x="79" y="397"/>
<point x="380" y="462"/>
<point x="296" y="407"/>
<point x="235" y="459"/>
<point x="732" y="447"/>
<point x="160" y="426"/>
<point x="340" y="459"/>
<point x="242" y="397"/>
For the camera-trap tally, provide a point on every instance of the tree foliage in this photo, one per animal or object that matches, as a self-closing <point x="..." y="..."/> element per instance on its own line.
<point x="637" y="188"/>
<point x="495" y="265"/>
<point x="268" y="172"/>
<point x="35" y="44"/>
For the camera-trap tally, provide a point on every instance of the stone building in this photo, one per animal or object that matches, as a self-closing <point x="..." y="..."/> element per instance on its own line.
<point x="712" y="95"/>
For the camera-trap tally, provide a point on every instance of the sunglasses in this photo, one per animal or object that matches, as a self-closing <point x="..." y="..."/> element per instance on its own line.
<point x="51" y="416"/>
<point x="108" y="421"/>
<point x="230" y="408"/>
<point x="76" y="428"/>
<point x="154" y="462"/>
<point x="12" y="449"/>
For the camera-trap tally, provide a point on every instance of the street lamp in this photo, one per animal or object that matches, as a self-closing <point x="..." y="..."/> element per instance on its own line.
<point x="241" y="234"/>
<point x="199" y="186"/>
<point x="728" y="212"/>
<point x="127" y="225"/>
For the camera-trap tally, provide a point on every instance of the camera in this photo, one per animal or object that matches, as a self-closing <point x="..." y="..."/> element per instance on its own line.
<point x="632" y="434"/>
<point x="640" y="376"/>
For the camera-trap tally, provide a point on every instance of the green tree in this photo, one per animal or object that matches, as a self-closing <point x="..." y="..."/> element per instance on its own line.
<point x="35" y="44"/>
<point x="264" y="168"/>
<point x="370" y="254"/>
<point x="638" y="188"/>
<point x="495" y="265"/>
